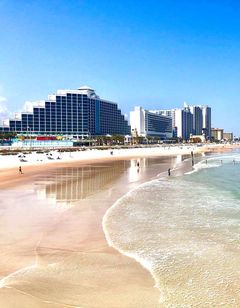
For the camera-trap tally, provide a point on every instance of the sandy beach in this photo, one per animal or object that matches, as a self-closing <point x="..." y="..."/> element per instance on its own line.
<point x="54" y="252"/>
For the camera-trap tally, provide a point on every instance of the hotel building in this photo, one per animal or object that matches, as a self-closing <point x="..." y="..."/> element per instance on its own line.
<point x="147" y="123"/>
<point x="167" y="113"/>
<point x="184" y="123"/>
<point x="189" y="120"/>
<point x="71" y="112"/>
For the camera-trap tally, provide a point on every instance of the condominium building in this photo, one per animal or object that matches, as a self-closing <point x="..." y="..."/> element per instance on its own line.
<point x="197" y="113"/>
<point x="147" y="123"/>
<point x="189" y="120"/>
<point x="184" y="123"/>
<point x="206" y="112"/>
<point x="72" y="112"/>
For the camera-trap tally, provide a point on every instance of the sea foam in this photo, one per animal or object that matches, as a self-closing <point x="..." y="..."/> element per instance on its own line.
<point x="185" y="231"/>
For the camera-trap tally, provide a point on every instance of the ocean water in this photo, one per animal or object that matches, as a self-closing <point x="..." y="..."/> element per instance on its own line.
<point x="186" y="231"/>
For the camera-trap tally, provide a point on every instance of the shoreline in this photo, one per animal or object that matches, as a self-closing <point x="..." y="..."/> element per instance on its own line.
<point x="9" y="164"/>
<point x="35" y="163"/>
<point x="179" y="170"/>
<point x="113" y="225"/>
<point x="140" y="285"/>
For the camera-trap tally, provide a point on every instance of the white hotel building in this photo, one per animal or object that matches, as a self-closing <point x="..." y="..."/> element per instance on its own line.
<point x="147" y="123"/>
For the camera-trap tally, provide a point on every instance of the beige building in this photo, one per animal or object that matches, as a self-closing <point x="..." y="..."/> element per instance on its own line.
<point x="217" y="133"/>
<point x="197" y="138"/>
<point x="228" y="136"/>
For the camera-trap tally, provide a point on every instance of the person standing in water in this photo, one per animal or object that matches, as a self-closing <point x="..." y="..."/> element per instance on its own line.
<point x="192" y="158"/>
<point x="169" y="171"/>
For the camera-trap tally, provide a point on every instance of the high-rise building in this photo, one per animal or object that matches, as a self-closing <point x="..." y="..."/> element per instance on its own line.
<point x="167" y="113"/>
<point x="72" y="112"/>
<point x="147" y="123"/>
<point x="190" y="120"/>
<point x="206" y="111"/>
<point x="197" y="113"/>
<point x="184" y="123"/>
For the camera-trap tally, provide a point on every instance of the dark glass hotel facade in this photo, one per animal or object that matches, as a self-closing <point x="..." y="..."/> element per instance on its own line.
<point x="72" y="112"/>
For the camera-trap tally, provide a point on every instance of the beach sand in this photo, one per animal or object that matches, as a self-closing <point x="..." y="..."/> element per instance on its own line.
<point x="54" y="252"/>
<point x="53" y="248"/>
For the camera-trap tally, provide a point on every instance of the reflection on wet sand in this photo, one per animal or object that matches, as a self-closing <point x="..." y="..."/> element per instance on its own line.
<point x="58" y="256"/>
<point x="65" y="186"/>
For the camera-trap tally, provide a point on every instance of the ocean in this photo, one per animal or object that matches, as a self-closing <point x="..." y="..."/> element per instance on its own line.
<point x="186" y="231"/>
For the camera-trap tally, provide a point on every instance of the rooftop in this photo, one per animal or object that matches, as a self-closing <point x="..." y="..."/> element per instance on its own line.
<point x="82" y="90"/>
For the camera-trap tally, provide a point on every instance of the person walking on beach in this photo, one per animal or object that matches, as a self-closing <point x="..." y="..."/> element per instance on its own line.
<point x="20" y="170"/>
<point x="169" y="171"/>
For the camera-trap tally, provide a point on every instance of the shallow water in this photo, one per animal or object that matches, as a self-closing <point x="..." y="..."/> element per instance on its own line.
<point x="186" y="231"/>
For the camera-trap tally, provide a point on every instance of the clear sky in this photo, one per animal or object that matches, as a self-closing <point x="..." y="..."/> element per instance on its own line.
<point x="156" y="54"/>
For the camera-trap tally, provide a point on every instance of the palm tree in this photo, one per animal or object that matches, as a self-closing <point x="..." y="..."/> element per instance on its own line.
<point x="118" y="139"/>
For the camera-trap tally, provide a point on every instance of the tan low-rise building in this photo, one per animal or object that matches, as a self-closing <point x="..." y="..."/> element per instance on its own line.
<point x="228" y="136"/>
<point x="197" y="138"/>
<point x="217" y="133"/>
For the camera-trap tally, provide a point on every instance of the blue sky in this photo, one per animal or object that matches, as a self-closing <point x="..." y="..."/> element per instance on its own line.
<point x="156" y="54"/>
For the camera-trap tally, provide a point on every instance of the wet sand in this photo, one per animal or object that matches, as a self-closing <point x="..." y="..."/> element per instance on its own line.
<point x="53" y="249"/>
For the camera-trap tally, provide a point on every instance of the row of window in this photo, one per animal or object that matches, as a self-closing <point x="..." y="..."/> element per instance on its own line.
<point x="74" y="113"/>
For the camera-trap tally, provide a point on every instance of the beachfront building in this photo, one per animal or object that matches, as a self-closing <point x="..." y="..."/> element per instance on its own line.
<point x="184" y="123"/>
<point x="201" y="120"/>
<point x="228" y="136"/>
<point x="71" y="112"/>
<point x="167" y="113"/>
<point x="197" y="113"/>
<point x="206" y="111"/>
<point x="217" y="134"/>
<point x="149" y="124"/>
<point x="189" y="120"/>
